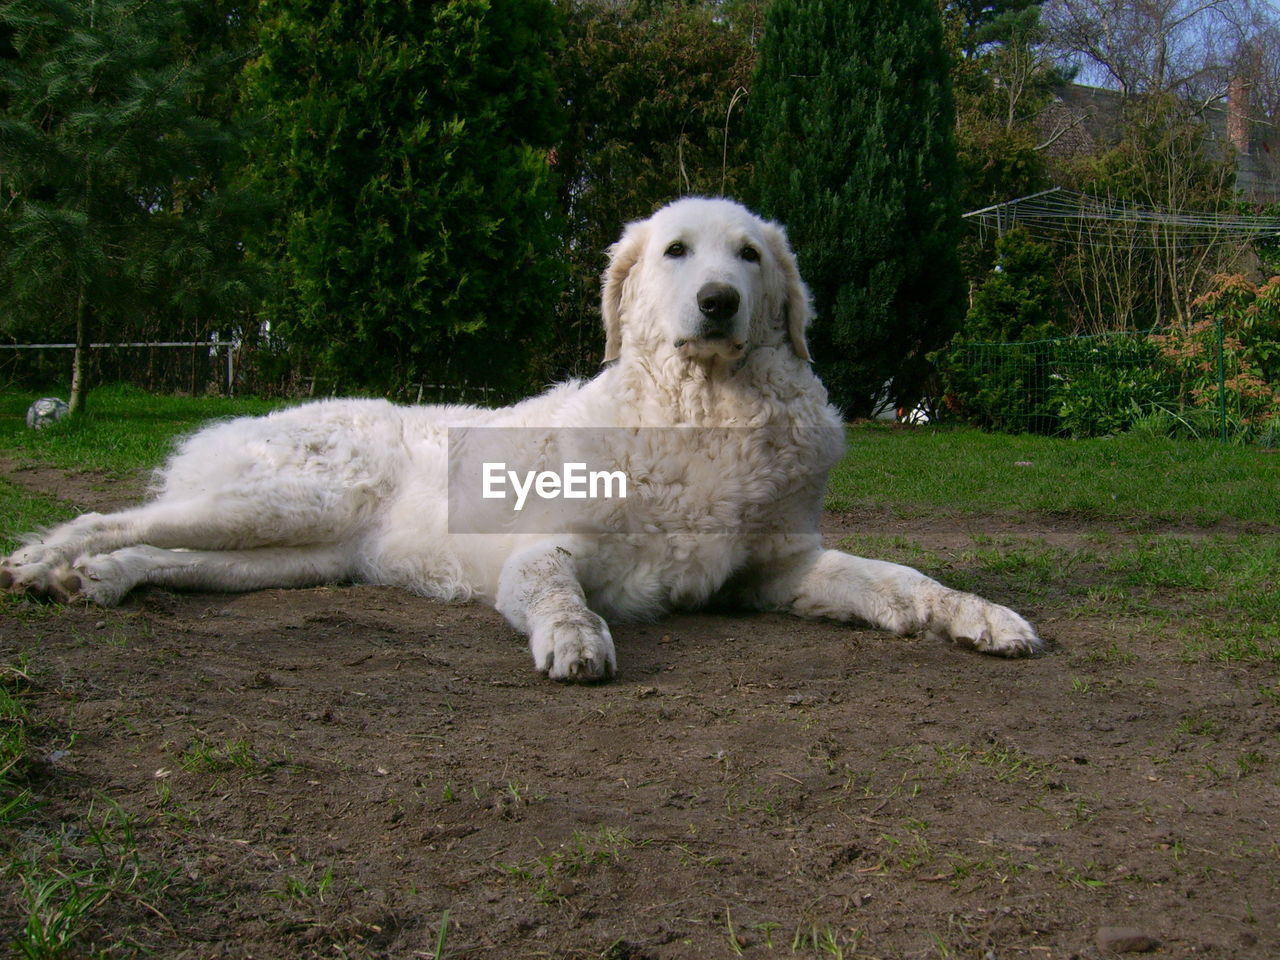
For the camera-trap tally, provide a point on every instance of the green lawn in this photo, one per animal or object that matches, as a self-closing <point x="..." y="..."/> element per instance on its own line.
<point x="1138" y="479"/>
<point x="123" y="429"/>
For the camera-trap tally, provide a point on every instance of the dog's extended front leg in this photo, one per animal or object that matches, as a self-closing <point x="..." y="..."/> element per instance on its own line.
<point x="539" y="593"/>
<point x="840" y="586"/>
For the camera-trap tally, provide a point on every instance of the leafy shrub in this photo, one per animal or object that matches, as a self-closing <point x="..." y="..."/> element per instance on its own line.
<point x="998" y="386"/>
<point x="1166" y="382"/>
<point x="1103" y="385"/>
<point x="1249" y="316"/>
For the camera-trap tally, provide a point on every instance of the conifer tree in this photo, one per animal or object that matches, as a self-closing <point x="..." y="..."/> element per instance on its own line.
<point x="655" y="92"/>
<point x="409" y="148"/>
<point x="106" y="167"/>
<point x="852" y="117"/>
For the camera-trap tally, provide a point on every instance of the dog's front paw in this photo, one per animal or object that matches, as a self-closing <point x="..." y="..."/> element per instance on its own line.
<point x="574" y="647"/>
<point x="990" y="628"/>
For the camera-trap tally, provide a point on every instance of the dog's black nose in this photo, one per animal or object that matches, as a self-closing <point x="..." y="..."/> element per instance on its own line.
<point x="718" y="303"/>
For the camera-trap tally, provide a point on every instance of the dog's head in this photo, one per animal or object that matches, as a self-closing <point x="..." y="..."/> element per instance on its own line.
<point x="705" y="278"/>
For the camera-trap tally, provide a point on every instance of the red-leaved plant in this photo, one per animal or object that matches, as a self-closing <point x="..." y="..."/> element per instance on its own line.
<point x="1250" y="321"/>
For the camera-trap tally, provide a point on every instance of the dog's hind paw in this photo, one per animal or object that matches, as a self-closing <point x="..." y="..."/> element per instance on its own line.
<point x="33" y="553"/>
<point x="56" y="582"/>
<point x="574" y="647"/>
<point x="96" y="579"/>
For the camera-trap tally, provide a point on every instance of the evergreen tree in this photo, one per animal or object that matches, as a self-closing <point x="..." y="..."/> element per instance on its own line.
<point x="982" y="23"/>
<point x="106" y="172"/>
<point x="655" y="92"/>
<point x="409" y="149"/>
<point x="1003" y="77"/>
<point x="851" y="113"/>
<point x="1019" y="300"/>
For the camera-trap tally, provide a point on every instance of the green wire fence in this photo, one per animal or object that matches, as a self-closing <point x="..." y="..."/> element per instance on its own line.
<point x="1195" y="382"/>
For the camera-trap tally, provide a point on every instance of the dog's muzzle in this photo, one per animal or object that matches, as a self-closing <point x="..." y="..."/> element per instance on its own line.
<point x="718" y="303"/>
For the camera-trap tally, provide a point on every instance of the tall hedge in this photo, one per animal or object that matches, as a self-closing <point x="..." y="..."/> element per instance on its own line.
<point x="852" y="116"/>
<point x="409" y="149"/>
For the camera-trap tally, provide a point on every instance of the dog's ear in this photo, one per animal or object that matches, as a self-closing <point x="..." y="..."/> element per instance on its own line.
<point x="794" y="295"/>
<point x="623" y="255"/>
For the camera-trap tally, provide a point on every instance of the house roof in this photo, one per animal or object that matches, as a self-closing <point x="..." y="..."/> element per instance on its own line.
<point x="1081" y="121"/>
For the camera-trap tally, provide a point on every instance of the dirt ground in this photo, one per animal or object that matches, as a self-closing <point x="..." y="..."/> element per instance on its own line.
<point x="338" y="772"/>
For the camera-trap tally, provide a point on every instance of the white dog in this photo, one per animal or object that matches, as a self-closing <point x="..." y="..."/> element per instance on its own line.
<point x="707" y="404"/>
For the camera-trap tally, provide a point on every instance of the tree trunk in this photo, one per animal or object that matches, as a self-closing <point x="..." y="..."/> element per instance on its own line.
<point x="80" y="358"/>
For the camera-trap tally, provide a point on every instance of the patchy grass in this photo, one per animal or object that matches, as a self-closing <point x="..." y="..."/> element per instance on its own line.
<point x="977" y="799"/>
<point x="550" y="876"/>
<point x="203" y="756"/>
<point x="15" y="797"/>
<point x="78" y="884"/>
<point x="73" y="881"/>
<point x="21" y="510"/>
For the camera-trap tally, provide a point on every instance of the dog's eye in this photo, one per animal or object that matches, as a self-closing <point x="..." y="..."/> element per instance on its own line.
<point x="677" y="249"/>
<point x="750" y="254"/>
